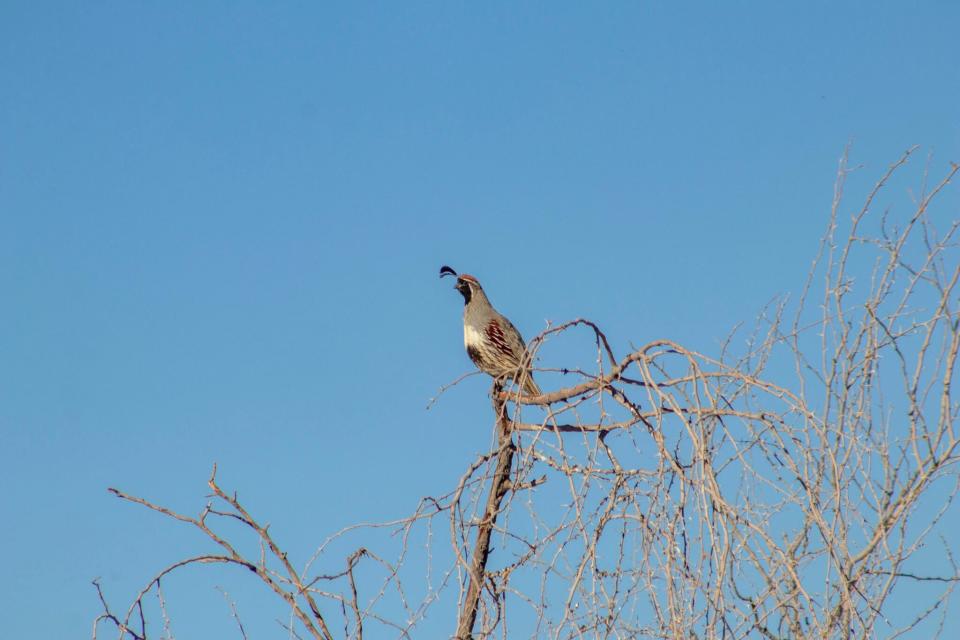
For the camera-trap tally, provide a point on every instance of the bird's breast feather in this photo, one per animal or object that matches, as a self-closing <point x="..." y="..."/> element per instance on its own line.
<point x="471" y="336"/>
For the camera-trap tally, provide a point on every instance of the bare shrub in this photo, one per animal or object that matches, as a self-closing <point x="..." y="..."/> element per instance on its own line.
<point x="784" y="490"/>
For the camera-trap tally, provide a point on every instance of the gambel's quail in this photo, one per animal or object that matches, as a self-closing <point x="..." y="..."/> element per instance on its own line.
<point x="492" y="342"/>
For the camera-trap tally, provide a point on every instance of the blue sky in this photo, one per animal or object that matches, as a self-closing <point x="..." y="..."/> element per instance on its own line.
<point x="221" y="224"/>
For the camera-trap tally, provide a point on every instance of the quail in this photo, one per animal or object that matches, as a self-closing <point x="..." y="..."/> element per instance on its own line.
<point x="492" y="342"/>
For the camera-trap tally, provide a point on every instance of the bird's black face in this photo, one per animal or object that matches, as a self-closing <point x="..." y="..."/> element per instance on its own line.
<point x="464" y="288"/>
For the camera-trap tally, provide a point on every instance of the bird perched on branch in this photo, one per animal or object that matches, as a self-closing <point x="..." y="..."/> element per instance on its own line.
<point x="492" y="342"/>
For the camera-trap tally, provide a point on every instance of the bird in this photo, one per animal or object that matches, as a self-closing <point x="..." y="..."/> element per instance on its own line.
<point x="492" y="342"/>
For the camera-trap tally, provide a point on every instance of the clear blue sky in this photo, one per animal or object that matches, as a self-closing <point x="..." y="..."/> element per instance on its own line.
<point x="221" y="224"/>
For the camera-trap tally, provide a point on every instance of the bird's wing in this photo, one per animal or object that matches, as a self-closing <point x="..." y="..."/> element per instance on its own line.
<point x="513" y="339"/>
<point x="501" y="339"/>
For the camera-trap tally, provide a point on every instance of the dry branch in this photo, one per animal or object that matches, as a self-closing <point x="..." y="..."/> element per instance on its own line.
<point x="499" y="485"/>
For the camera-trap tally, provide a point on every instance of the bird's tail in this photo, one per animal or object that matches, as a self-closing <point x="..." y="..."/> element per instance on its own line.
<point x="530" y="387"/>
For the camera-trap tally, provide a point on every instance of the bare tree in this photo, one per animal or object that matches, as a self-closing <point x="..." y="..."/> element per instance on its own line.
<point x="788" y="489"/>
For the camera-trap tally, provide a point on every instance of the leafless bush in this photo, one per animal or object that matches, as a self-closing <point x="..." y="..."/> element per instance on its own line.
<point x="786" y="491"/>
